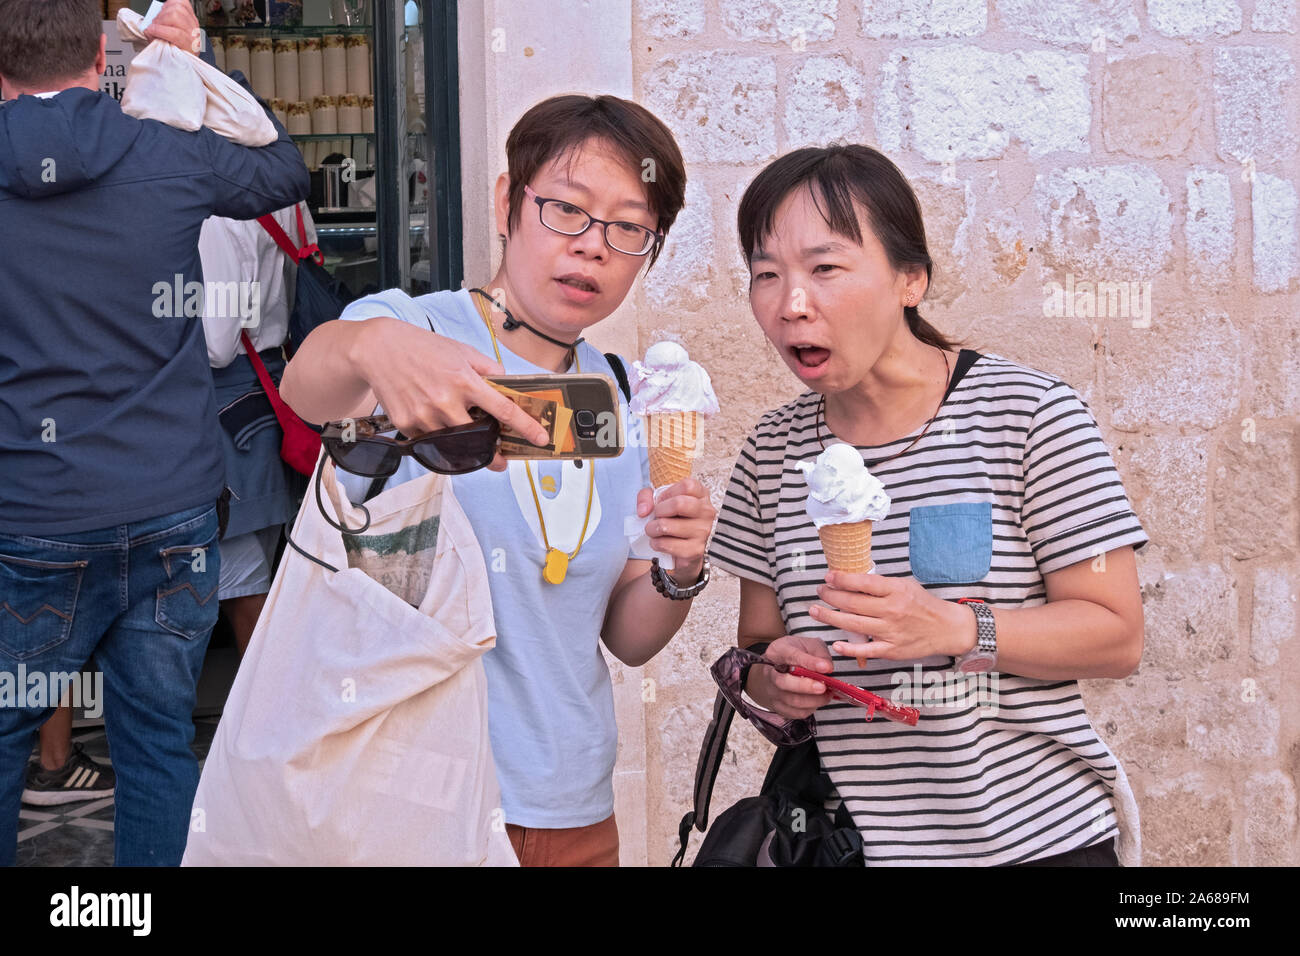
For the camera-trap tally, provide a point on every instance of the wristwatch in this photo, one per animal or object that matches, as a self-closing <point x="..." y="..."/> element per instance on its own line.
<point x="669" y="588"/>
<point x="984" y="655"/>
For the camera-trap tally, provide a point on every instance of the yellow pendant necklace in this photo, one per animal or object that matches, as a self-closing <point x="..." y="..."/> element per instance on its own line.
<point x="557" y="561"/>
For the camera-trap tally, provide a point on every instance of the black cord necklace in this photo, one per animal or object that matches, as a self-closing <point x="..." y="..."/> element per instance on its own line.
<point x="821" y="415"/>
<point x="511" y="323"/>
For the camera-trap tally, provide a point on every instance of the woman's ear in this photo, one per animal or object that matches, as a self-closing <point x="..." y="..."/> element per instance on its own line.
<point x="502" y="204"/>
<point x="914" y="290"/>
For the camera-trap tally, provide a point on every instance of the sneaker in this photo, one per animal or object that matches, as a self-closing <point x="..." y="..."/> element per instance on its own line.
<point x="78" y="779"/>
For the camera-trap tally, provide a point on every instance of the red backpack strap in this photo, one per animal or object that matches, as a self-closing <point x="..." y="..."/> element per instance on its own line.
<point x="295" y="253"/>
<point x="308" y="251"/>
<point x="263" y="376"/>
<point x="279" y="235"/>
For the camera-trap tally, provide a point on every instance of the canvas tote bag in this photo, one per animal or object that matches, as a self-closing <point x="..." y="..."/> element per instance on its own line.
<point x="356" y="731"/>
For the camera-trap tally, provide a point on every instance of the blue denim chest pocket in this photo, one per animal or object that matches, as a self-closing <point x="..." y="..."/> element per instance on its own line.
<point x="951" y="544"/>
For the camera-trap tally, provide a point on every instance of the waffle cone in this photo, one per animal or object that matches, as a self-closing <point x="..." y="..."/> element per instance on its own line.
<point x="847" y="546"/>
<point x="674" y="440"/>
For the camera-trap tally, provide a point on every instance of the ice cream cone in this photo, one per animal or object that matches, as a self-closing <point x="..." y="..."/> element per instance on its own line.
<point x="848" y="548"/>
<point x="847" y="545"/>
<point x="674" y="439"/>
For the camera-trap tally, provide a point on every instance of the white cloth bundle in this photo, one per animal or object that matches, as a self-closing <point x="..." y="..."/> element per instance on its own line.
<point x="172" y="86"/>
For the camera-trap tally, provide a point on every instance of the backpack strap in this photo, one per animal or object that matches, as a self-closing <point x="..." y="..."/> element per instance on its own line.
<point x="620" y="373"/>
<point x="295" y="253"/>
<point x="264" y="377"/>
<point x="279" y="235"/>
<point x="706" y="773"/>
<point x="706" y="768"/>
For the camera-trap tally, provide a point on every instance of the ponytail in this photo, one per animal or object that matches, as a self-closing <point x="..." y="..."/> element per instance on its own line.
<point x="926" y="332"/>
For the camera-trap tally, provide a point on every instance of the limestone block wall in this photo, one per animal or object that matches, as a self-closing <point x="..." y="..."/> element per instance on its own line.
<point x="1110" y="195"/>
<point x="1057" y="146"/>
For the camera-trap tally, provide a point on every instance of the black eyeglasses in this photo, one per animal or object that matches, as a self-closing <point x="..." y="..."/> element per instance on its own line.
<point x="567" y="219"/>
<point x="360" y="447"/>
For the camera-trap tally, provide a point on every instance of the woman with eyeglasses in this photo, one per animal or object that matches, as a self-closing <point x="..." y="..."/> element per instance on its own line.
<point x="1004" y="569"/>
<point x="578" y="223"/>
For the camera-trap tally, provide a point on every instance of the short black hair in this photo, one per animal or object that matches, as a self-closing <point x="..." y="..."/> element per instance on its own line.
<point x="44" y="42"/>
<point x="561" y="124"/>
<point x="841" y="179"/>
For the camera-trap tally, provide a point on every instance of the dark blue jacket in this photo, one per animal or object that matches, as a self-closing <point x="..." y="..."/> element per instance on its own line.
<point x="107" y="410"/>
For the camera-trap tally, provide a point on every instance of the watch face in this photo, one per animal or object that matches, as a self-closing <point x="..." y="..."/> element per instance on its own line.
<point x="977" y="663"/>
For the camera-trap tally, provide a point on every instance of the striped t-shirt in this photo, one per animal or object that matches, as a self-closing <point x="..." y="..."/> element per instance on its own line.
<point x="1012" y="481"/>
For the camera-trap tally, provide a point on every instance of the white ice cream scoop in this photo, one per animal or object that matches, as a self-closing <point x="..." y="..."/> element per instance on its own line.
<point x="841" y="489"/>
<point x="668" y="381"/>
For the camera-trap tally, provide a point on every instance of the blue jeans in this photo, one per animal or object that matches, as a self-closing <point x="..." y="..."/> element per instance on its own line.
<point x="142" y="599"/>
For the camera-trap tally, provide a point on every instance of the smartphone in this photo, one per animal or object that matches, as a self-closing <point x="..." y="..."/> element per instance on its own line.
<point x="580" y="411"/>
<point x="860" y="696"/>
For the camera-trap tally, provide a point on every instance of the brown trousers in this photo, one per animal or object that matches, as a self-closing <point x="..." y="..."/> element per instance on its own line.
<point x="595" y="845"/>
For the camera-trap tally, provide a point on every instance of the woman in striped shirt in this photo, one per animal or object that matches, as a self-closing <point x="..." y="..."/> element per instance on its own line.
<point x="1002" y="491"/>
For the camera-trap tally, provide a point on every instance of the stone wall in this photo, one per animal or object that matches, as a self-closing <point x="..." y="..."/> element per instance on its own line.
<point x="1050" y="141"/>
<point x="1110" y="194"/>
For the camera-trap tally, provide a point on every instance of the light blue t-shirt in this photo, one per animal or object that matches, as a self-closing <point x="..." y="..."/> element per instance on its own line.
<point x="550" y="701"/>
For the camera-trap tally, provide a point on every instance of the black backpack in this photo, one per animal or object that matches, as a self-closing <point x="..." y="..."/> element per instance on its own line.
<point x="318" y="296"/>
<point x="785" y="825"/>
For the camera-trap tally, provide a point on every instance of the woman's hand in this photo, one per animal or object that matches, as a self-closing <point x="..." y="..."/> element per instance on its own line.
<point x="786" y="694"/>
<point x="426" y="382"/>
<point x="680" y="523"/>
<point x="905" y="620"/>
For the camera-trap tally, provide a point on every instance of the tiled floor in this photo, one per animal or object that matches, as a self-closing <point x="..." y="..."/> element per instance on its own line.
<point x="81" y="834"/>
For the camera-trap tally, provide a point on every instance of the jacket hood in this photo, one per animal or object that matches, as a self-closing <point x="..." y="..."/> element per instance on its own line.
<point x="62" y="143"/>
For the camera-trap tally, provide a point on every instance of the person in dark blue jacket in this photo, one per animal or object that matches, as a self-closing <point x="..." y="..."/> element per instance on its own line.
<point x="108" y="472"/>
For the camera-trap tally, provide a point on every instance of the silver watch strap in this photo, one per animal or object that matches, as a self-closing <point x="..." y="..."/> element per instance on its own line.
<point x="986" y="638"/>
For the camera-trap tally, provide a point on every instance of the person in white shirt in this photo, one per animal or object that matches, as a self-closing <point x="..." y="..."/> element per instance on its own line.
<point x="249" y="287"/>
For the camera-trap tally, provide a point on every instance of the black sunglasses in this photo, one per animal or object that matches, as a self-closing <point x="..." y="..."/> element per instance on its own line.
<point x="729" y="672"/>
<point x="360" y="447"/>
